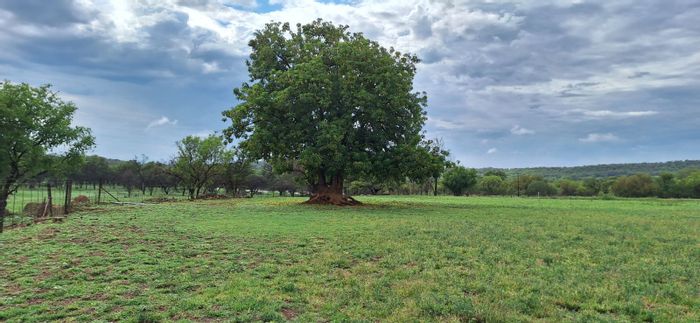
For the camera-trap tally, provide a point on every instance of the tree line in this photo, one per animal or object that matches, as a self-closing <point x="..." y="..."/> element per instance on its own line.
<point x="205" y="166"/>
<point x="202" y="167"/>
<point x="682" y="184"/>
<point x="601" y="171"/>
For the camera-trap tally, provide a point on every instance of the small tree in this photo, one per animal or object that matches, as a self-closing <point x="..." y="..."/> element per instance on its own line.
<point x="568" y="187"/>
<point x="237" y="171"/>
<point x="255" y="182"/>
<point x="638" y="185"/>
<point x="519" y="183"/>
<point x="496" y="172"/>
<point x="459" y="179"/>
<point x="94" y="170"/>
<point x="540" y="187"/>
<point x="492" y="185"/>
<point x="434" y="156"/>
<point x="689" y="184"/>
<point x="666" y="183"/>
<point x="35" y="124"/>
<point x="198" y="160"/>
<point x="156" y="175"/>
<point x="591" y="187"/>
<point x="128" y="176"/>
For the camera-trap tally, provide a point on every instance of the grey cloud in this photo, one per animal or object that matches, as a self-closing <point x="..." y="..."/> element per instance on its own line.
<point x="161" y="53"/>
<point x="564" y="69"/>
<point x="49" y="13"/>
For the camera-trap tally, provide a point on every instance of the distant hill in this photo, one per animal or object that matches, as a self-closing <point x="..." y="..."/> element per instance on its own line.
<point x="600" y="171"/>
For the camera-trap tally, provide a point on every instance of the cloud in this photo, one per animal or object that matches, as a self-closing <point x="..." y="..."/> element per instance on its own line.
<point x="520" y="131"/>
<point x="565" y="68"/>
<point x="491" y="151"/>
<point x="599" y="137"/>
<point x="614" y="114"/>
<point x="444" y="124"/>
<point x="162" y="121"/>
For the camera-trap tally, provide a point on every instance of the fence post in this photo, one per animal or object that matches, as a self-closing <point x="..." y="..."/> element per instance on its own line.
<point x="66" y="204"/>
<point x="50" y="200"/>
<point x="99" y="191"/>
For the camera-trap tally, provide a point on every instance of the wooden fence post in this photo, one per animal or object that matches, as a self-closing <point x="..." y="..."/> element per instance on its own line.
<point x="99" y="191"/>
<point x="50" y="200"/>
<point x="66" y="205"/>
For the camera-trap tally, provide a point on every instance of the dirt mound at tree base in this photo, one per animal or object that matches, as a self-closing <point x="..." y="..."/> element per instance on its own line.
<point x="81" y="199"/>
<point x="332" y="199"/>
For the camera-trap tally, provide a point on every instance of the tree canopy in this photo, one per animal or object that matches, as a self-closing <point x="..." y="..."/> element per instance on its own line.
<point x="330" y="103"/>
<point x="37" y="136"/>
<point x="198" y="160"/>
<point x="458" y="179"/>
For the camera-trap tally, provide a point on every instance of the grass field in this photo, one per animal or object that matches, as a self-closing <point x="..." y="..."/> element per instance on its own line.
<point x="395" y="259"/>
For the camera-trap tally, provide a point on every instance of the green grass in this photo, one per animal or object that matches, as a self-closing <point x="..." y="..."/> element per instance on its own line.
<point x="396" y="259"/>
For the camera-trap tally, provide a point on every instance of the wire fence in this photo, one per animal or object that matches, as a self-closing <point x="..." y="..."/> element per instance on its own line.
<point x="53" y="200"/>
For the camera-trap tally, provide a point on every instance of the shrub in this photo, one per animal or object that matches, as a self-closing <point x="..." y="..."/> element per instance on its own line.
<point x="459" y="179"/>
<point x="540" y="187"/>
<point x="569" y="187"/>
<point x="492" y="185"/>
<point x="639" y="185"/>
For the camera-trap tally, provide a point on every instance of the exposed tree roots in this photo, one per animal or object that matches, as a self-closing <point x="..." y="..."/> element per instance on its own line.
<point x="332" y="199"/>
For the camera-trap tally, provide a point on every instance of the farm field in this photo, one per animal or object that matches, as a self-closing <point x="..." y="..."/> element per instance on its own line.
<point x="394" y="258"/>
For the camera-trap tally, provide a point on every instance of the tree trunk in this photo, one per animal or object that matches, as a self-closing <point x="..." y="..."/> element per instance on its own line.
<point x="3" y="205"/>
<point x="436" y="185"/>
<point x="330" y="193"/>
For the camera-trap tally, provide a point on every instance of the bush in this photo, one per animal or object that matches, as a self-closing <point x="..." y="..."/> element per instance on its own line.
<point x="541" y="187"/>
<point x="689" y="185"/>
<point x="459" y="179"/>
<point x="492" y="185"/>
<point x="639" y="185"/>
<point x="569" y="187"/>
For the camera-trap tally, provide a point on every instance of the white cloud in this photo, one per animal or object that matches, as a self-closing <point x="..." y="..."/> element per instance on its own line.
<point x="492" y="151"/>
<point x="600" y="137"/>
<point x="614" y="114"/>
<point x="162" y="121"/>
<point x="520" y="131"/>
<point x="444" y="124"/>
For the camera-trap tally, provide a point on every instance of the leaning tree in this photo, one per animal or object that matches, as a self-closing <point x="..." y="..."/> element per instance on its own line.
<point x="330" y="103"/>
<point x="36" y="136"/>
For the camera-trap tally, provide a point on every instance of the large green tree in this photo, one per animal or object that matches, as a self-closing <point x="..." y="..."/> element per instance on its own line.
<point x="36" y="136"/>
<point x="329" y="102"/>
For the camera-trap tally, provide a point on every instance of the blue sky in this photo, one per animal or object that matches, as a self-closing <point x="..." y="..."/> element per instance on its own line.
<point x="510" y="83"/>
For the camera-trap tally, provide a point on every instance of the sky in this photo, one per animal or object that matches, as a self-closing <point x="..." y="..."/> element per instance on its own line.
<point x="509" y="83"/>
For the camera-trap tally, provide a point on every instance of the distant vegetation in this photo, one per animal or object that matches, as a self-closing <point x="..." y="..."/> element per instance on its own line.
<point x="601" y="171"/>
<point x="201" y="171"/>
